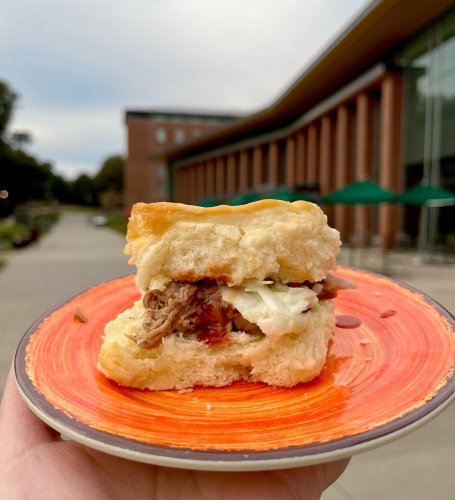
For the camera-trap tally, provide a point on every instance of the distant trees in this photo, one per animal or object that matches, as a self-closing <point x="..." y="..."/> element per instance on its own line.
<point x="110" y="175"/>
<point x="24" y="178"/>
<point x="82" y="191"/>
<point x="105" y="188"/>
<point x="7" y="101"/>
<point x="20" y="139"/>
<point x="108" y="182"/>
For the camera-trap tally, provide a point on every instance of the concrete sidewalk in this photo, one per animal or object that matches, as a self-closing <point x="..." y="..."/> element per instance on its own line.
<point x="76" y="255"/>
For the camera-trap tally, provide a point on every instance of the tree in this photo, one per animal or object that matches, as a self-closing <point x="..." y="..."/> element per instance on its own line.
<point x="7" y="101"/>
<point x="20" y="138"/>
<point x="60" y="189"/>
<point x="25" y="178"/>
<point x="110" y="175"/>
<point x="83" y="191"/>
<point x="22" y="176"/>
<point x="108" y="181"/>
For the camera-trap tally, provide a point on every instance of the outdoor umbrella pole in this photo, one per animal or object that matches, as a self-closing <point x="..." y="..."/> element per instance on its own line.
<point x="426" y="197"/>
<point x="423" y="232"/>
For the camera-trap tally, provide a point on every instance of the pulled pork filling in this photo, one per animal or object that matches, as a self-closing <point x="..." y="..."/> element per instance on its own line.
<point x="189" y="308"/>
<point x="199" y="308"/>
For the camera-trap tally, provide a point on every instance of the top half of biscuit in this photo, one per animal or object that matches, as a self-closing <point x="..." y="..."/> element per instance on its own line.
<point x="267" y="239"/>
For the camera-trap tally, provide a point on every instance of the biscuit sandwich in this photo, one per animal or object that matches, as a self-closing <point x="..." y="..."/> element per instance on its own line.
<point x="228" y="293"/>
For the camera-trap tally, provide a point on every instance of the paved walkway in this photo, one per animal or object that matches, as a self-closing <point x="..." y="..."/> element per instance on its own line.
<point x="76" y="255"/>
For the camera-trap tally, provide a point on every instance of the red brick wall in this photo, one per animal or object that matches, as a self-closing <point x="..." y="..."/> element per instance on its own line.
<point x="136" y="174"/>
<point x="145" y="179"/>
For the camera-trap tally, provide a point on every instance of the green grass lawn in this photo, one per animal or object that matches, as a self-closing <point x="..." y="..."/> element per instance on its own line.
<point x="117" y="222"/>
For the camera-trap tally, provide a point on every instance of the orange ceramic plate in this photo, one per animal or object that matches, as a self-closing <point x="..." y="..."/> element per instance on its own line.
<point x="381" y="379"/>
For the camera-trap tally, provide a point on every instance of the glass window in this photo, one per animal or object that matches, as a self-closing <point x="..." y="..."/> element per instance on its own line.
<point x="161" y="135"/>
<point x="447" y="37"/>
<point x="179" y="135"/>
<point x="428" y="63"/>
<point x="161" y="170"/>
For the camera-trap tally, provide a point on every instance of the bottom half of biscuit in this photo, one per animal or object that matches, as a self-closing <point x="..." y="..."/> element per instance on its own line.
<point x="182" y="361"/>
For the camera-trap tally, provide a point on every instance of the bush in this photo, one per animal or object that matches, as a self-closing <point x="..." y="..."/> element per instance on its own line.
<point x="26" y="226"/>
<point x="14" y="235"/>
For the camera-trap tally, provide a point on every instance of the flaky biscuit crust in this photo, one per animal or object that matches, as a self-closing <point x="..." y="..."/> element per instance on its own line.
<point x="265" y="239"/>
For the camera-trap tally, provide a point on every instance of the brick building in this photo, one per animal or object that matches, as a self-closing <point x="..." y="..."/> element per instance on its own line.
<point x="379" y="103"/>
<point x="148" y="133"/>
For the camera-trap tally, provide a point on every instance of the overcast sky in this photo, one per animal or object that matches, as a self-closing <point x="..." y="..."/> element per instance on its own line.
<point x="78" y="64"/>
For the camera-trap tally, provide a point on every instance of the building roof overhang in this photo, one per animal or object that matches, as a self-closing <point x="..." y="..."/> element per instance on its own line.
<point x="383" y="26"/>
<point x="180" y="112"/>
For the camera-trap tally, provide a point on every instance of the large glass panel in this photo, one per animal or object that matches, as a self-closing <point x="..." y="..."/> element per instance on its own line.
<point x="415" y="60"/>
<point x="428" y="63"/>
<point x="443" y="222"/>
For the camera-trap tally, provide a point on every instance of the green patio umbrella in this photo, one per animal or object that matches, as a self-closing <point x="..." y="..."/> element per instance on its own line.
<point x="288" y="195"/>
<point x="245" y="198"/>
<point x="425" y="194"/>
<point x="361" y="192"/>
<point x="208" y="202"/>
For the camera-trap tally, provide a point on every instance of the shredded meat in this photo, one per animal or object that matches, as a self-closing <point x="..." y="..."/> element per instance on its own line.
<point x="183" y="307"/>
<point x="199" y="308"/>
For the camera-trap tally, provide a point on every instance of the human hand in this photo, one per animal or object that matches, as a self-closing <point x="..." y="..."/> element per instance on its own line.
<point x="36" y="463"/>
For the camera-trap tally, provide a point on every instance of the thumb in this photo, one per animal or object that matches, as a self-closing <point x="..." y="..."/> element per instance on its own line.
<point x="18" y="425"/>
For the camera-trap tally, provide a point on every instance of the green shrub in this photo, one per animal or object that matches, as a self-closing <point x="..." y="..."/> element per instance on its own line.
<point x="26" y="226"/>
<point x="14" y="235"/>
